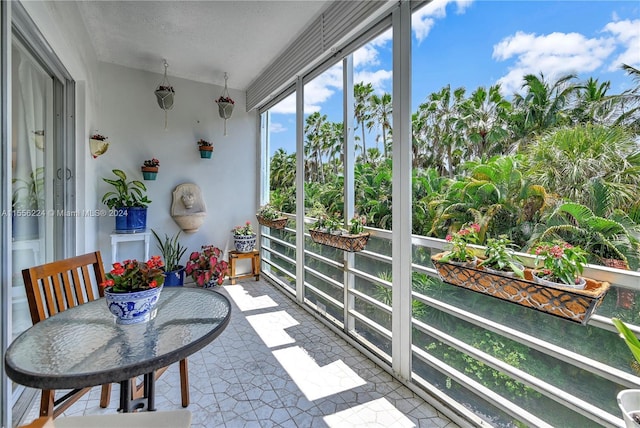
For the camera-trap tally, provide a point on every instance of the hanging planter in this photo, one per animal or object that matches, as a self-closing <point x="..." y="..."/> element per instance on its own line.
<point x="568" y="303"/>
<point x="164" y="94"/>
<point x="98" y="145"/>
<point x="205" y="148"/>
<point x="225" y="104"/>
<point x="150" y="169"/>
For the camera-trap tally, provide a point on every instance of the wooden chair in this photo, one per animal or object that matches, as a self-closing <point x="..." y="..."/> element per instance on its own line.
<point x="60" y="285"/>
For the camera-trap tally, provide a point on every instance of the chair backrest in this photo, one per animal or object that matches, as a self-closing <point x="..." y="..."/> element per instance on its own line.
<point x="60" y="285"/>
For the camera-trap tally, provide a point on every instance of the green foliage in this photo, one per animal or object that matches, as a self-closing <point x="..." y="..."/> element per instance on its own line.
<point x="126" y="193"/>
<point x="171" y="250"/>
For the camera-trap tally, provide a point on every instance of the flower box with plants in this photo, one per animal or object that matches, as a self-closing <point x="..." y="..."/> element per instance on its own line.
<point x="172" y="251"/>
<point x="562" y="301"/>
<point x="328" y="231"/>
<point x="127" y="202"/>
<point x="499" y="258"/>
<point x="244" y="238"/>
<point x="98" y="145"/>
<point x="150" y="169"/>
<point x="206" y="267"/>
<point x="267" y="215"/>
<point x="205" y="148"/>
<point x="132" y="289"/>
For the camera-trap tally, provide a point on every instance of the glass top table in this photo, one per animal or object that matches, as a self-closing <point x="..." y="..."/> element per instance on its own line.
<point x="83" y="346"/>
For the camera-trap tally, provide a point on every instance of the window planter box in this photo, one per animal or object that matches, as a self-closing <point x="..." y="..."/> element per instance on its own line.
<point x="571" y="304"/>
<point x="346" y="242"/>
<point x="277" y="223"/>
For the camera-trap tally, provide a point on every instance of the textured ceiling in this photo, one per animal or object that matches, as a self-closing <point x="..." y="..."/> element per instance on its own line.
<point x="201" y="40"/>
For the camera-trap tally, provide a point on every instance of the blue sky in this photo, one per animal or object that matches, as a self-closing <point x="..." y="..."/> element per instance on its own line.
<point x="473" y="43"/>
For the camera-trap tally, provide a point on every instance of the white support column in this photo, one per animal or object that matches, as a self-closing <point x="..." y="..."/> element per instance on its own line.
<point x="5" y="205"/>
<point x="300" y="190"/>
<point x="348" y="148"/>
<point x="402" y="208"/>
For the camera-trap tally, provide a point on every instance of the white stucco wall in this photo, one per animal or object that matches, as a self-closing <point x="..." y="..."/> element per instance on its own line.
<point x="134" y="123"/>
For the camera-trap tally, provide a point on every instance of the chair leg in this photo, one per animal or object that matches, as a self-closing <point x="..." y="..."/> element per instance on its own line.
<point x="184" y="382"/>
<point x="105" y="395"/>
<point x="46" y="402"/>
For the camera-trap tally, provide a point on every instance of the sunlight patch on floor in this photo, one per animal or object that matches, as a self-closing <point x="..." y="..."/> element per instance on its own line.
<point x="271" y="327"/>
<point x="376" y="413"/>
<point x="246" y="302"/>
<point x="314" y="381"/>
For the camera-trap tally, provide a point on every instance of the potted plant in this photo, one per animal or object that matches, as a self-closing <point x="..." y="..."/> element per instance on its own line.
<point x="267" y="215"/>
<point x="459" y="252"/>
<point x="225" y="106"/>
<point x="150" y="169"/>
<point x="98" y="145"/>
<point x="127" y="203"/>
<point x="206" y="148"/>
<point x="164" y="96"/>
<point x="562" y="264"/>
<point x="207" y="267"/>
<point x="244" y="238"/>
<point x="27" y="203"/>
<point x="499" y="258"/>
<point x="629" y="399"/>
<point x="172" y="251"/>
<point x="132" y="289"/>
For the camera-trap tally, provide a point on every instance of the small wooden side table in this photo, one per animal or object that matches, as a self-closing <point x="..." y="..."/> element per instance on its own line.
<point x="255" y="265"/>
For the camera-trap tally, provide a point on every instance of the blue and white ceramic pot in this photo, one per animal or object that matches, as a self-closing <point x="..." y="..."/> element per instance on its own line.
<point x="132" y="308"/>
<point x="245" y="243"/>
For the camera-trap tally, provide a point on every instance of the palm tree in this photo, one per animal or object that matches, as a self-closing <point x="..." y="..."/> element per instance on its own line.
<point x="570" y="162"/>
<point x="630" y="102"/>
<point x="381" y="110"/>
<point x="316" y="130"/>
<point x="283" y="170"/>
<point x="542" y="107"/>
<point x="362" y="110"/>
<point x="592" y="104"/>
<point x="485" y="118"/>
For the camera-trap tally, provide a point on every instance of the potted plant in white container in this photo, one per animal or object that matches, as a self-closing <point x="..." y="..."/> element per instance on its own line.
<point x="244" y="238"/>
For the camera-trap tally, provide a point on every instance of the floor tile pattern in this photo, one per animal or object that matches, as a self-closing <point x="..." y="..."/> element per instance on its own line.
<point x="277" y="366"/>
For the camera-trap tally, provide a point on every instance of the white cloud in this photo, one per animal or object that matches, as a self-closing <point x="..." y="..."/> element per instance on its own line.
<point x="553" y="55"/>
<point x="316" y="92"/>
<point x="627" y="34"/>
<point x="424" y="19"/>
<point x="376" y="78"/>
<point x="277" y="127"/>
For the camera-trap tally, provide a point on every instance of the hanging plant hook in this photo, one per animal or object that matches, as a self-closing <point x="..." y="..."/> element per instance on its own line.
<point x="165" y="93"/>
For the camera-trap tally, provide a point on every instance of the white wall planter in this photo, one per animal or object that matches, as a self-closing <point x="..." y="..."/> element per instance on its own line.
<point x="629" y="402"/>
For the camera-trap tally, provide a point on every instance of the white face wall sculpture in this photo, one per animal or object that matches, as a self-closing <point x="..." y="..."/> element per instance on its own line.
<point x="188" y="209"/>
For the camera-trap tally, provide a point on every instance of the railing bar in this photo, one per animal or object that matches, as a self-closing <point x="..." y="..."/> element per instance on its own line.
<point x="324" y="277"/>
<point x="371" y="301"/>
<point x="272" y="264"/>
<point x="371" y="278"/>
<point x="279" y="241"/>
<point x="487" y="394"/>
<point x="547" y="389"/>
<point x="558" y="352"/>
<point x="323" y="295"/>
<point x="370" y="323"/>
<point x="324" y="259"/>
<point x="279" y="255"/>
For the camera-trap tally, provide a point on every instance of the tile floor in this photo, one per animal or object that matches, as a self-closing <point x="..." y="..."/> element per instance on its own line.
<point x="276" y="366"/>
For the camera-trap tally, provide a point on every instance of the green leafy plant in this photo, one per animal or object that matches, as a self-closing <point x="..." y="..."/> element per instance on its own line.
<point x="245" y="230"/>
<point x="207" y="265"/>
<point x="268" y="212"/>
<point x="172" y="251"/>
<point x="328" y="223"/>
<point x="132" y="275"/>
<point x="561" y="262"/>
<point x="126" y="194"/>
<point x="356" y="224"/>
<point x="203" y="143"/>
<point x="631" y="340"/>
<point x="459" y="251"/>
<point x="498" y="256"/>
